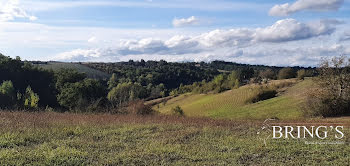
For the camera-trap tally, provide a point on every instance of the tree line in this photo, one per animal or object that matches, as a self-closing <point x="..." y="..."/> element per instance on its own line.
<point x="27" y="86"/>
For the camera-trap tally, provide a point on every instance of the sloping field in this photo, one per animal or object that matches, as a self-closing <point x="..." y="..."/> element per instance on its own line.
<point x="233" y="104"/>
<point x="91" y="73"/>
<point x="77" y="139"/>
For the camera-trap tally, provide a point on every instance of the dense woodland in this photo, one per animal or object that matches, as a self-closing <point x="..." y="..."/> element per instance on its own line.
<point x="24" y="85"/>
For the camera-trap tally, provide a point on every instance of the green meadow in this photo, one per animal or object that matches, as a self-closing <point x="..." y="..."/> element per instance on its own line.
<point x="234" y="104"/>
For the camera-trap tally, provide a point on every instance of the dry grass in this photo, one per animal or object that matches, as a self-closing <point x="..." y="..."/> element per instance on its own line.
<point x="10" y="119"/>
<point x="14" y="120"/>
<point x="47" y="138"/>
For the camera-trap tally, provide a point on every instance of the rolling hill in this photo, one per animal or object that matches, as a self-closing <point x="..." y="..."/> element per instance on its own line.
<point x="90" y="72"/>
<point x="234" y="104"/>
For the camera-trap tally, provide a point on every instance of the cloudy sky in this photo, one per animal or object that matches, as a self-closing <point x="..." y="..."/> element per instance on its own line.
<point x="269" y="32"/>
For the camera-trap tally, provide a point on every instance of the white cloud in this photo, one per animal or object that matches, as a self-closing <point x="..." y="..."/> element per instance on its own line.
<point x="182" y="22"/>
<point x="84" y="55"/>
<point x="10" y="10"/>
<point x="207" y="5"/>
<point x="345" y="37"/>
<point x="241" y="45"/>
<point x="305" y="5"/>
<point x="92" y="39"/>
<point x="227" y="38"/>
<point x="35" y="35"/>
<point x="277" y="55"/>
<point x="291" y="29"/>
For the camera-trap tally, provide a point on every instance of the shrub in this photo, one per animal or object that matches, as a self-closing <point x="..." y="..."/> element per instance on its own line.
<point x="174" y="93"/>
<point x="177" y="111"/>
<point x="7" y="94"/>
<point x="138" y="107"/>
<point x="113" y="81"/>
<point x="125" y="92"/>
<point x="331" y="97"/>
<point x="286" y="73"/>
<point x="321" y="103"/>
<point x="267" y="74"/>
<point x="301" y="74"/>
<point x="31" y="99"/>
<point x="263" y="93"/>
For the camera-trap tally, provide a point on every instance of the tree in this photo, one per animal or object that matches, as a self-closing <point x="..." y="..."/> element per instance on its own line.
<point x="64" y="76"/>
<point x="267" y="74"/>
<point x="125" y="92"/>
<point x="218" y="82"/>
<point x="80" y="94"/>
<point x="113" y="81"/>
<point x="232" y="80"/>
<point x="24" y="74"/>
<point x="157" y="91"/>
<point x="7" y="94"/>
<point x="6" y="88"/>
<point x="331" y="97"/>
<point x="286" y="73"/>
<point x="301" y="74"/>
<point x="31" y="99"/>
<point x="246" y="73"/>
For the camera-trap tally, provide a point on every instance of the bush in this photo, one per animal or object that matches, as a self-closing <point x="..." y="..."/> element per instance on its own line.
<point x="7" y="94"/>
<point x="31" y="99"/>
<point x="125" y="92"/>
<point x="286" y="73"/>
<point x="301" y="74"/>
<point x="138" y="107"/>
<point x="331" y="97"/>
<point x="263" y="93"/>
<point x="267" y="74"/>
<point x="220" y="83"/>
<point x="322" y="103"/>
<point x="177" y="111"/>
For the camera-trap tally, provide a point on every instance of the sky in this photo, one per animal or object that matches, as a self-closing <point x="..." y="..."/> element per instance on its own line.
<point x="267" y="32"/>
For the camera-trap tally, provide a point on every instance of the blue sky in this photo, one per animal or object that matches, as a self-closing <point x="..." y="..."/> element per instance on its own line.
<point x="270" y="32"/>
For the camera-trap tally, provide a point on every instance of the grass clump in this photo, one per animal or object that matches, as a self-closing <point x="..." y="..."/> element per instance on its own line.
<point x="263" y="94"/>
<point x="66" y="156"/>
<point x="178" y="111"/>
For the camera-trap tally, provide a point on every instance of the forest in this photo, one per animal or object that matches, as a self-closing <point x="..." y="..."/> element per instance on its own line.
<point x="25" y="85"/>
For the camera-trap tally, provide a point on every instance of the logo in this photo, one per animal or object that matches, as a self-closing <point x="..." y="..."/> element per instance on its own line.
<point x="310" y="133"/>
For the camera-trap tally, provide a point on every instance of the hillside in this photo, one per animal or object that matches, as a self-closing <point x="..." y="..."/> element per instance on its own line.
<point x="233" y="104"/>
<point x="47" y="138"/>
<point x="90" y="72"/>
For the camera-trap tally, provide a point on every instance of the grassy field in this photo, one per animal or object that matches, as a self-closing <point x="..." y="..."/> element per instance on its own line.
<point x="91" y="73"/>
<point x="233" y="104"/>
<point x="73" y="139"/>
<point x="218" y="129"/>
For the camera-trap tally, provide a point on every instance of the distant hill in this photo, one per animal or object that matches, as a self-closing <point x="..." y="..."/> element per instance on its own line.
<point x="90" y="72"/>
<point x="173" y="74"/>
